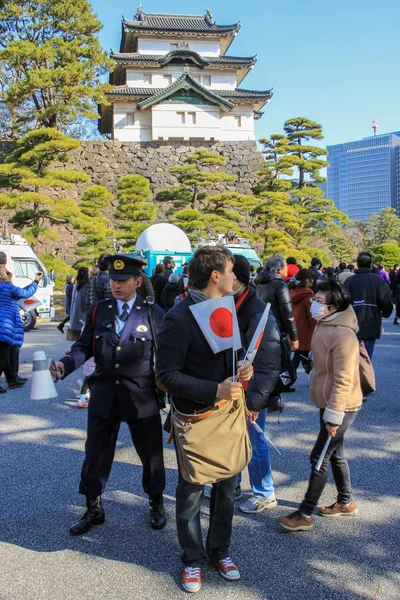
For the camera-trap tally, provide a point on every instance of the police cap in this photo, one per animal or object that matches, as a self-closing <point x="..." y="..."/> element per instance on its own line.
<point x="122" y="266"/>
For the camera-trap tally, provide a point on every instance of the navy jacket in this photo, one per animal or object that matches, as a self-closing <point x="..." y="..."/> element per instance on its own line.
<point x="11" y="329"/>
<point x="272" y="288"/>
<point x="371" y="299"/>
<point x="267" y="362"/>
<point x="186" y="365"/>
<point x="124" y="364"/>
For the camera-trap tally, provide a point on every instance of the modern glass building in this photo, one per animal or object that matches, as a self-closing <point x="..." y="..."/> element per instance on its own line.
<point x="364" y="175"/>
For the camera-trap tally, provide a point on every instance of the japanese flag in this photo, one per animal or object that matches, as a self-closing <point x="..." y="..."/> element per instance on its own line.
<point x="218" y="322"/>
<point x="28" y="304"/>
<point x="258" y="335"/>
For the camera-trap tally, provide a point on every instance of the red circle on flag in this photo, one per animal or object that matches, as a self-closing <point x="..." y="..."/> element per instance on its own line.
<point x="221" y="322"/>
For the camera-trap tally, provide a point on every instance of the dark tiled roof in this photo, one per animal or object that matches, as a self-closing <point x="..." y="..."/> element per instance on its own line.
<point x="186" y="81"/>
<point x="233" y="95"/>
<point x="161" y="22"/>
<point x="207" y="60"/>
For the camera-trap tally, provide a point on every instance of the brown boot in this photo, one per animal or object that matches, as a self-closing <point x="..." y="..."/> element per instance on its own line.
<point x="296" y="522"/>
<point x="339" y="510"/>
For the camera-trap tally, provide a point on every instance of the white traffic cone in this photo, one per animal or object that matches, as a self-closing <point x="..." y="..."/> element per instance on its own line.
<point x="42" y="386"/>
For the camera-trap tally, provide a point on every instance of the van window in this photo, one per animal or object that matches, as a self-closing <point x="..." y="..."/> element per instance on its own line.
<point x="28" y="268"/>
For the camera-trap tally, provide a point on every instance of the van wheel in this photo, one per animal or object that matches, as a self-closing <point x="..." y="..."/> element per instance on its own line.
<point x="28" y="320"/>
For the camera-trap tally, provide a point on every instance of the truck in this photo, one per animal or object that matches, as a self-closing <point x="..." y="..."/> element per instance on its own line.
<point x="164" y="239"/>
<point x="23" y="263"/>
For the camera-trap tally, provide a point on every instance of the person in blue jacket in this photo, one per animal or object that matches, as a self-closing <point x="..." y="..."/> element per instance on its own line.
<point x="120" y="333"/>
<point x="11" y="329"/>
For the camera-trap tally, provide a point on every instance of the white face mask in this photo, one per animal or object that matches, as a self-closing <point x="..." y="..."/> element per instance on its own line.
<point x="317" y="311"/>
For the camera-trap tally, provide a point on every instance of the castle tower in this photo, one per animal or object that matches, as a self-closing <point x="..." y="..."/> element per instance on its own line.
<point x="174" y="81"/>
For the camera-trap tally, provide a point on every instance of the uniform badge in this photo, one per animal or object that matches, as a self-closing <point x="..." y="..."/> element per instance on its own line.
<point x="141" y="328"/>
<point x="119" y="265"/>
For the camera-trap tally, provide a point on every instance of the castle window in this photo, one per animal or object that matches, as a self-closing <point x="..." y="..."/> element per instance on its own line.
<point x="191" y="117"/>
<point x="130" y="119"/>
<point x="206" y="80"/>
<point x="181" y="116"/>
<point x="168" y="79"/>
<point x="238" y="121"/>
<point x="147" y="78"/>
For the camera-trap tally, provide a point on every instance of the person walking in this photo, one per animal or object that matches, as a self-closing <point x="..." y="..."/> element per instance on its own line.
<point x="292" y="268"/>
<point x="197" y="378"/>
<point x="371" y="299"/>
<point x="315" y="267"/>
<point x="158" y="271"/>
<point x="302" y="295"/>
<point x="118" y="333"/>
<point x="384" y="274"/>
<point x="11" y="328"/>
<point x="79" y="304"/>
<point x="249" y="309"/>
<point x="335" y="389"/>
<point x="344" y="272"/>
<point x="68" y="290"/>
<point x="271" y="287"/>
<point x="170" y="292"/>
<point x="99" y="284"/>
<point x="161" y="282"/>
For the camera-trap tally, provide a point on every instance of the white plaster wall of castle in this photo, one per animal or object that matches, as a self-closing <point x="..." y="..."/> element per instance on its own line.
<point x="164" y="77"/>
<point x="182" y="121"/>
<point x="130" y="124"/>
<point x="165" y="45"/>
<point x="186" y="122"/>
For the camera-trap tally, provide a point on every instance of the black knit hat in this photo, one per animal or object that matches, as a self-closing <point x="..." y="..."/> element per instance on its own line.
<point x="241" y="268"/>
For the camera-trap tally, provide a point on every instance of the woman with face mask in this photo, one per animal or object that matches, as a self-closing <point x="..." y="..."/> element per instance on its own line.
<point x="336" y="391"/>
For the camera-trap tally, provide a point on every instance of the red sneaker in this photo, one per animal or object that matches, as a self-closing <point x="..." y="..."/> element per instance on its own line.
<point x="191" y="579"/>
<point x="228" y="569"/>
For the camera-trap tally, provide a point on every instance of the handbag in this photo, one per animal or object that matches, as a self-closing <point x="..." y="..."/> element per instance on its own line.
<point x="287" y="373"/>
<point x="213" y="445"/>
<point x="72" y="335"/>
<point x="366" y="370"/>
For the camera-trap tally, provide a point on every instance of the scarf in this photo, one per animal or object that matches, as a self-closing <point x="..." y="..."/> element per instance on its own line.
<point x="197" y="296"/>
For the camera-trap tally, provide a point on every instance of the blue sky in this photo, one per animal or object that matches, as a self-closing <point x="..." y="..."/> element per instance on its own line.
<point x="335" y="63"/>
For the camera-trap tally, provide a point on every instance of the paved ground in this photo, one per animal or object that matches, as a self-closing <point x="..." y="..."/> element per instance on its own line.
<point x="41" y="451"/>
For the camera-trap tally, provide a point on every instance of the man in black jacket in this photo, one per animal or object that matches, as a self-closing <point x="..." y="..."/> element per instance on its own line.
<point x="266" y="366"/>
<point x="99" y="285"/>
<point x="197" y="378"/>
<point x="371" y="300"/>
<point x="161" y="282"/>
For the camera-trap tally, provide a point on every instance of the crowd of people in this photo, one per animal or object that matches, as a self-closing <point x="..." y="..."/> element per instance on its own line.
<point x="140" y="345"/>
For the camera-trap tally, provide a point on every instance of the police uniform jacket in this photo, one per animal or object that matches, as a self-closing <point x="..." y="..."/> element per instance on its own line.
<point x="124" y="363"/>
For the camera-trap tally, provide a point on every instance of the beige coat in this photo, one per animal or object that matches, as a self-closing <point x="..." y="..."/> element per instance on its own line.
<point x="335" y="379"/>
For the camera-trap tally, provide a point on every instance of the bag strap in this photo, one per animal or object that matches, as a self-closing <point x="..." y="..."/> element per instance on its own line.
<point x="96" y="306"/>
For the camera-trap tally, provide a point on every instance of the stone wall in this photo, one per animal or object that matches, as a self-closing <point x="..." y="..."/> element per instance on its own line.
<point x="105" y="161"/>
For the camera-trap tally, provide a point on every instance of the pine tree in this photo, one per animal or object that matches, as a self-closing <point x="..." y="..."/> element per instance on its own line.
<point x="307" y="158"/>
<point x="228" y="212"/>
<point x="383" y="227"/>
<point x="188" y="201"/>
<point x="29" y="175"/>
<point x="134" y="211"/>
<point x="276" y="218"/>
<point x="94" y="223"/>
<point x="51" y="63"/>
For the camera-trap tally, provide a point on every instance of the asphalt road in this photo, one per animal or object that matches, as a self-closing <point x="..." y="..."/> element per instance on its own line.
<point x="41" y="451"/>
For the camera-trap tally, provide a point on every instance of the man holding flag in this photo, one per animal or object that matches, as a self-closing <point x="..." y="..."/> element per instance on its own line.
<point x="194" y="364"/>
<point x="250" y="311"/>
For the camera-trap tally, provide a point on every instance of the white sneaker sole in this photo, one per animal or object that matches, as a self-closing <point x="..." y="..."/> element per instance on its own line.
<point x="193" y="590"/>
<point x="261" y="509"/>
<point x="228" y="577"/>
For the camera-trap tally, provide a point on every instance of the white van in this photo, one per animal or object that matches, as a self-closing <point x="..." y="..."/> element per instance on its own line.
<point x="23" y="263"/>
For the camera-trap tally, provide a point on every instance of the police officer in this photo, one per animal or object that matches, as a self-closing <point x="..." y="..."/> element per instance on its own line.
<point x="118" y="333"/>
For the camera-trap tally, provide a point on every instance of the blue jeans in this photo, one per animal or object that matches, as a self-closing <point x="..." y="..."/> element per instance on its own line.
<point x="369" y="346"/>
<point x="260" y="472"/>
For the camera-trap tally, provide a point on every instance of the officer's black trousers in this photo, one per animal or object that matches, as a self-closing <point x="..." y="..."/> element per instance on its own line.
<point x="102" y="437"/>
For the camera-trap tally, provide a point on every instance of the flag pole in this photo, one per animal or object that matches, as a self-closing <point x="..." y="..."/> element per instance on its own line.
<point x="324" y="449"/>
<point x="233" y="365"/>
<point x="258" y="428"/>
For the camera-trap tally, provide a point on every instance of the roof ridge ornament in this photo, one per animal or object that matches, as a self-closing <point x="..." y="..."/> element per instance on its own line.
<point x="209" y="16"/>
<point x="139" y="13"/>
<point x="183" y="45"/>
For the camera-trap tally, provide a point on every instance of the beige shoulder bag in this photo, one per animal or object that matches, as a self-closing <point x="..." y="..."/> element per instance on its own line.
<point x="213" y="445"/>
